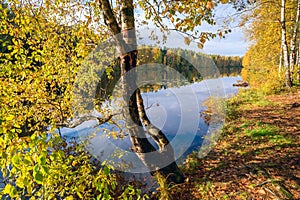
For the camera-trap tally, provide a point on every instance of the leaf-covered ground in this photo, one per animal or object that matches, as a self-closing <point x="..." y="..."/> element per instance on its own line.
<point x="257" y="156"/>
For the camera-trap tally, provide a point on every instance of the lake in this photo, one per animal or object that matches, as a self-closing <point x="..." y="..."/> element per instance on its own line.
<point x="175" y="110"/>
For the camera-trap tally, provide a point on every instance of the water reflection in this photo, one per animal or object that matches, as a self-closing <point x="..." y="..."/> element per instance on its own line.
<point x="164" y="109"/>
<point x="174" y="84"/>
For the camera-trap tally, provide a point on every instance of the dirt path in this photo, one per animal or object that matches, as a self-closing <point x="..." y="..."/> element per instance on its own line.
<point x="257" y="157"/>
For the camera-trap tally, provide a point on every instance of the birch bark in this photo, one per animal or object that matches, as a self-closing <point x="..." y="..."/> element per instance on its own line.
<point x="294" y="38"/>
<point x="286" y="62"/>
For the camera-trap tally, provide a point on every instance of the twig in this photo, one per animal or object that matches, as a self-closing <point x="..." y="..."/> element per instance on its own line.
<point x="265" y="188"/>
<point x="149" y="106"/>
<point x="263" y="183"/>
<point x="249" y="167"/>
<point x="87" y="118"/>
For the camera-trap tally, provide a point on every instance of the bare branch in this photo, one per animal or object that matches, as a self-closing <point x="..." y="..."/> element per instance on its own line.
<point x="79" y="121"/>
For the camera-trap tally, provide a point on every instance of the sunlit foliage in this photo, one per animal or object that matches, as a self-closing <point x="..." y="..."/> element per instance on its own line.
<point x="263" y="62"/>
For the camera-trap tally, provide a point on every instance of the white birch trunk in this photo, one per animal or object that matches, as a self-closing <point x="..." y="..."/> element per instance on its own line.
<point x="298" y="60"/>
<point x="286" y="63"/>
<point x="294" y="38"/>
<point x="280" y="63"/>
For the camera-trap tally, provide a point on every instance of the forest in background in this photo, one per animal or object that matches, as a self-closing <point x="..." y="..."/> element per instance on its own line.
<point x="193" y="66"/>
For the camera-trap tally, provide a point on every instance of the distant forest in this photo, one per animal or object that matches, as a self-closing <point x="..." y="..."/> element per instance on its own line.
<point x="228" y="65"/>
<point x="227" y="61"/>
<point x="164" y="65"/>
<point x="177" y="59"/>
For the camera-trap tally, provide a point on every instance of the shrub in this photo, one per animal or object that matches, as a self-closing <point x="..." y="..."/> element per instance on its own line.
<point x="45" y="166"/>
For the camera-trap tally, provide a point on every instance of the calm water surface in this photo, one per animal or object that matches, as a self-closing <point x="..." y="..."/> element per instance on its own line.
<point x="174" y="110"/>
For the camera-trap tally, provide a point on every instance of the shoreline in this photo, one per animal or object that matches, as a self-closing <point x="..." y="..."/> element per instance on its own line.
<point x="257" y="155"/>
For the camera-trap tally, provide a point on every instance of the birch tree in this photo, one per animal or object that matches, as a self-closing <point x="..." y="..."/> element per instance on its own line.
<point x="274" y="29"/>
<point x="295" y="34"/>
<point x="124" y="31"/>
<point x="284" y="45"/>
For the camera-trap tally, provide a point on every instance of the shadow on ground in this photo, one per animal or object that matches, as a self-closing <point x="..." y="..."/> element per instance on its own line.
<point x="257" y="157"/>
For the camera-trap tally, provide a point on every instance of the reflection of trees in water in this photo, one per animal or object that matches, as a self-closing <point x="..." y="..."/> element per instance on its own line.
<point x="177" y="65"/>
<point x="230" y="70"/>
<point x="107" y="83"/>
<point x="228" y="65"/>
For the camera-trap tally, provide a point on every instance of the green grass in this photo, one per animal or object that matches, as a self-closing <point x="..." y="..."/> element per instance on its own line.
<point x="260" y="132"/>
<point x="266" y="131"/>
<point x="280" y="139"/>
<point x="191" y="162"/>
<point x="247" y="98"/>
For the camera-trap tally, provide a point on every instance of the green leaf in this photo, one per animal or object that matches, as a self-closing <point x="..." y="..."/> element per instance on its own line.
<point x="36" y="168"/>
<point x="107" y="196"/>
<point x="106" y="170"/>
<point x="16" y="161"/>
<point x="113" y="185"/>
<point x="27" y="162"/>
<point x="38" y="177"/>
<point x="42" y="160"/>
<point x="45" y="170"/>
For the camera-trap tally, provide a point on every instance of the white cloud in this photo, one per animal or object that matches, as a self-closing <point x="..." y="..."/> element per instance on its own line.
<point x="233" y="44"/>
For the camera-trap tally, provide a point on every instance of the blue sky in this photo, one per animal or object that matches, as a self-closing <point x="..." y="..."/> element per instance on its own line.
<point x="234" y="43"/>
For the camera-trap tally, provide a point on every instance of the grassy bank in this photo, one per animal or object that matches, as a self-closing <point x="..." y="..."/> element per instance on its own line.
<point x="257" y="155"/>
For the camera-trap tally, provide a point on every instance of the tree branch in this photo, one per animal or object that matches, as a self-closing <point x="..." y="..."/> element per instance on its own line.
<point x="109" y="17"/>
<point x="86" y="118"/>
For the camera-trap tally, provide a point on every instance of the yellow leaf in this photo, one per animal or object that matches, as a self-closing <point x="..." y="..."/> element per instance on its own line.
<point x="9" y="118"/>
<point x="187" y="40"/>
<point x="69" y="198"/>
<point x="209" y="5"/>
